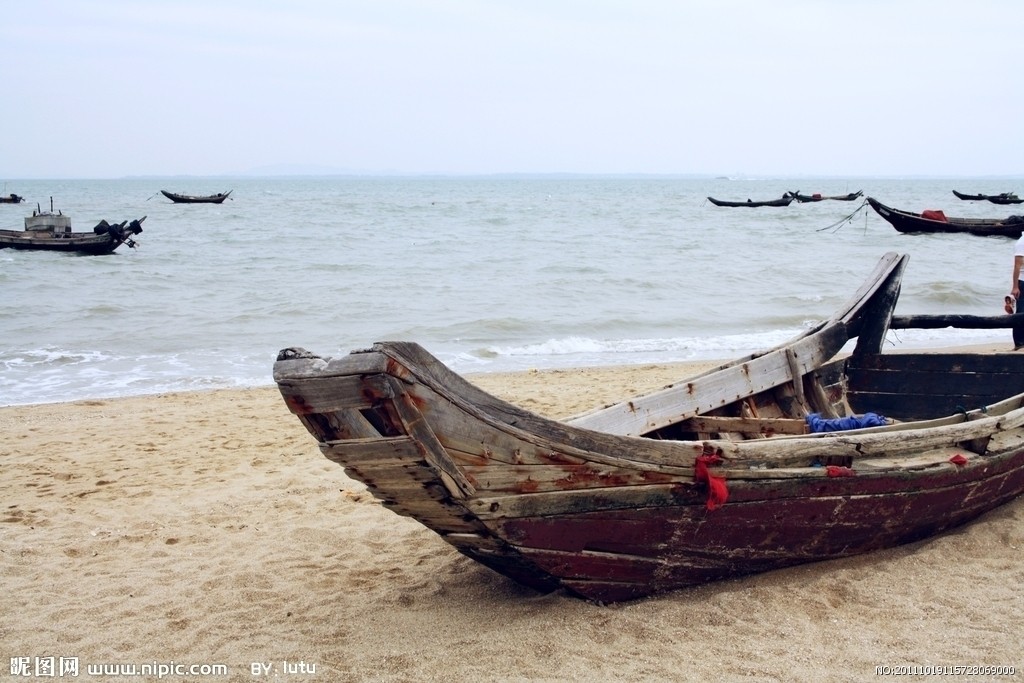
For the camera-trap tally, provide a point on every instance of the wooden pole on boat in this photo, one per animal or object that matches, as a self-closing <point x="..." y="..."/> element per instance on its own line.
<point x="971" y="322"/>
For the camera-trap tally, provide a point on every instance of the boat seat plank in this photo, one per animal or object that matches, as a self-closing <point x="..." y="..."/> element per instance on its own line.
<point x="867" y="443"/>
<point x="745" y="425"/>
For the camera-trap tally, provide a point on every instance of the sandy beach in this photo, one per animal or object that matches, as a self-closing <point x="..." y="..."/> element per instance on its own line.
<point x="207" y="528"/>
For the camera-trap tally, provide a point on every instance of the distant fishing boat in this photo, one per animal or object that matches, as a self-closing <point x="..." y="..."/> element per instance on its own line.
<point x="781" y="201"/>
<point x="12" y="199"/>
<point x="49" y="231"/>
<point x="196" y="199"/>
<point x="1001" y="198"/>
<point x="816" y="197"/>
<point x="938" y="222"/>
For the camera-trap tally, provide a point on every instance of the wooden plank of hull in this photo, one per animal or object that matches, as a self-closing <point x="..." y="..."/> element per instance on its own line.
<point x="476" y="434"/>
<point x="711" y="391"/>
<point x="943" y="383"/>
<point x="295" y="364"/>
<point x="877" y="442"/>
<point x="613" y="556"/>
<point x="498" y="479"/>
<point x="886" y="475"/>
<point x="335" y="393"/>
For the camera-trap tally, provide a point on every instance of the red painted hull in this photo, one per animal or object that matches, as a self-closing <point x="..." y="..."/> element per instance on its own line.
<point x="616" y="555"/>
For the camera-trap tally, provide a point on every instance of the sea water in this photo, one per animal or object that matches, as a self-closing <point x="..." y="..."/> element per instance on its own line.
<point x="487" y="273"/>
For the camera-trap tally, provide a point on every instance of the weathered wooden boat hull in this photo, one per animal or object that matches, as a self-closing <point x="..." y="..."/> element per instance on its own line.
<point x="909" y="222"/>
<point x="1004" y="198"/>
<point x="621" y="503"/>
<point x="783" y="201"/>
<point x="192" y="199"/>
<point x="93" y="243"/>
<point x="620" y="554"/>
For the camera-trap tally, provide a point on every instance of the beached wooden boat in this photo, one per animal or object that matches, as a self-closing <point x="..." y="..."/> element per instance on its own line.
<point x="817" y="197"/>
<point x="715" y="476"/>
<point x="11" y="199"/>
<point x="49" y="231"/>
<point x="938" y="222"/>
<point x="196" y="199"/>
<point x="1001" y="198"/>
<point x="781" y="201"/>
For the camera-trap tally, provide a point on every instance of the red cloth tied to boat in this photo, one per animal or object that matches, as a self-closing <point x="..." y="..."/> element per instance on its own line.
<point x="958" y="460"/>
<point x="837" y="471"/>
<point x="934" y="215"/>
<point x="717" y="491"/>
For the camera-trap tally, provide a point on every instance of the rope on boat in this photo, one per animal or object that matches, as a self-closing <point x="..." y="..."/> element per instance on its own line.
<point x="843" y="221"/>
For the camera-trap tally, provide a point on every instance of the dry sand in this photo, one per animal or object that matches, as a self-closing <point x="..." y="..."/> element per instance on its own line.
<point x="206" y="528"/>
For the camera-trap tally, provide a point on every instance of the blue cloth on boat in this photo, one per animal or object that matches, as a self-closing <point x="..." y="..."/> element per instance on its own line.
<point x="817" y="423"/>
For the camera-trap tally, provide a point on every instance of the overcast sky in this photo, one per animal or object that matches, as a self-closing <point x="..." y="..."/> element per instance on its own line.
<point x="109" y="88"/>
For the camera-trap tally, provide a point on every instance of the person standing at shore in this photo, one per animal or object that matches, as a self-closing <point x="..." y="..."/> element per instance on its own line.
<point x="1011" y="306"/>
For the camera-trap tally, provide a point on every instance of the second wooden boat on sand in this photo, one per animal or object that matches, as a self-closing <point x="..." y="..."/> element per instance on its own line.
<point x="765" y="462"/>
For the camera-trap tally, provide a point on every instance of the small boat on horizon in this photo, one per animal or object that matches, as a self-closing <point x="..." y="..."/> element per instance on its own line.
<point x="196" y="199"/>
<point x="781" y="201"/>
<point x="817" y="197"/>
<point x="1001" y="198"/>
